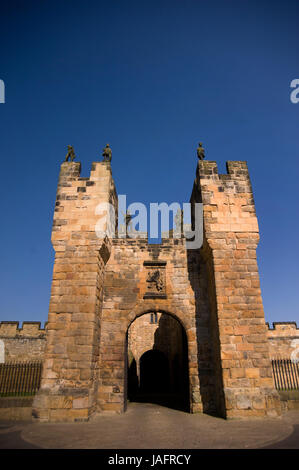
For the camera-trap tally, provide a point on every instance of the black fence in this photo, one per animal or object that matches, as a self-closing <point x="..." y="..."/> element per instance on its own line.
<point x="286" y="374"/>
<point x="20" y="378"/>
<point x="23" y="378"/>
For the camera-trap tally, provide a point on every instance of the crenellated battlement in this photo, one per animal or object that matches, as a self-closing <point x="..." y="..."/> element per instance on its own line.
<point x="76" y="201"/>
<point x="283" y="339"/>
<point x="235" y="169"/>
<point x="11" y="329"/>
<point x="23" y="343"/>
<point x="227" y="198"/>
<point x="287" y="328"/>
<point x="235" y="181"/>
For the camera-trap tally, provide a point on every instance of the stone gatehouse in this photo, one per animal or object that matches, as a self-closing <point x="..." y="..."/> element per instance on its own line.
<point x="126" y="315"/>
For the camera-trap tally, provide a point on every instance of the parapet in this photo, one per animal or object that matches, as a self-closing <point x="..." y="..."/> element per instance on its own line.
<point x="11" y="329"/>
<point x="227" y="198"/>
<point x="283" y="329"/>
<point x="76" y="202"/>
<point x="237" y="175"/>
<point x="283" y="339"/>
<point x="71" y="184"/>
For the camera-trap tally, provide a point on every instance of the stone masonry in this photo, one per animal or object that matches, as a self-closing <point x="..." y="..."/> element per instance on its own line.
<point x="22" y="344"/>
<point x="102" y="285"/>
<point x="244" y="378"/>
<point x="283" y="340"/>
<point x="70" y="371"/>
<point x="28" y="342"/>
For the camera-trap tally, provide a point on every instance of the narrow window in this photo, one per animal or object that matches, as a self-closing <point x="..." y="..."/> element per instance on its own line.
<point x="154" y="318"/>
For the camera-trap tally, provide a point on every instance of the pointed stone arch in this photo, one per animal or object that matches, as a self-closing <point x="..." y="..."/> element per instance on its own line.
<point x="112" y="391"/>
<point x="160" y="352"/>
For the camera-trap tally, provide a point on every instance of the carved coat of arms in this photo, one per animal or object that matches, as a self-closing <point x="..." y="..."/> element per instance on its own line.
<point x="155" y="280"/>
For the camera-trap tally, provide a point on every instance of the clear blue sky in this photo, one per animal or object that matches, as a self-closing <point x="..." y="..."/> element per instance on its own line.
<point x="152" y="78"/>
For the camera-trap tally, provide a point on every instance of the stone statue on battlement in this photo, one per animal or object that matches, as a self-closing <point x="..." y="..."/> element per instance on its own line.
<point x="107" y="153"/>
<point x="70" y="154"/>
<point x="128" y="220"/>
<point x="200" y="151"/>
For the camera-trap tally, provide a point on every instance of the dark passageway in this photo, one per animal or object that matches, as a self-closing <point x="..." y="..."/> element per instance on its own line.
<point x="154" y="372"/>
<point x="160" y="374"/>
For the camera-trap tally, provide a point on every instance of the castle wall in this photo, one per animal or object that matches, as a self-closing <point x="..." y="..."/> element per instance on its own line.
<point x="283" y="340"/>
<point x="102" y="285"/>
<point x="25" y="343"/>
<point x="28" y="342"/>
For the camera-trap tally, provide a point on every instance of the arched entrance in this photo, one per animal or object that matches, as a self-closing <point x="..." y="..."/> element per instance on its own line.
<point x="158" y="361"/>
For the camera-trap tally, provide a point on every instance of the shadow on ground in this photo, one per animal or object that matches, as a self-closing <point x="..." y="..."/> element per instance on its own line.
<point x="167" y="400"/>
<point x="291" y="442"/>
<point x="14" y="440"/>
<point x="151" y="426"/>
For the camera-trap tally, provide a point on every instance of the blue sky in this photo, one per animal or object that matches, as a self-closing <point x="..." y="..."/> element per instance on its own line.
<point x="152" y="78"/>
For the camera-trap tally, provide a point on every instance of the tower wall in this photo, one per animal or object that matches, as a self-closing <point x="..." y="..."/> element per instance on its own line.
<point x="69" y="381"/>
<point x="241" y="352"/>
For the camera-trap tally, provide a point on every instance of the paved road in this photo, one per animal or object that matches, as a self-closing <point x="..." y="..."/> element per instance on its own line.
<point x="148" y="426"/>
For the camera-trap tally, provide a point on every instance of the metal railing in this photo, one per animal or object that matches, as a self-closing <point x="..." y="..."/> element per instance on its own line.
<point x="20" y="378"/>
<point x="286" y="374"/>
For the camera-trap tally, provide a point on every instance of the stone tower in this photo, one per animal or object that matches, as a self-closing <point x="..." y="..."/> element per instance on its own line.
<point x="244" y="383"/>
<point x="102" y="285"/>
